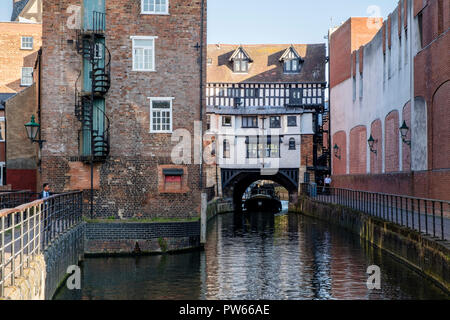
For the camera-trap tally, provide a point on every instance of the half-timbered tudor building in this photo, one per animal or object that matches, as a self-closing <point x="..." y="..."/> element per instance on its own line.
<point x="263" y="106"/>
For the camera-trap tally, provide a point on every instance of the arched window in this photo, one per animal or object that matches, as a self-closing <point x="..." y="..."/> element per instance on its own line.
<point x="226" y="149"/>
<point x="291" y="144"/>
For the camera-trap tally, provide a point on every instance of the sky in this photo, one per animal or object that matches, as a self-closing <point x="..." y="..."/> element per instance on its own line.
<point x="274" y="21"/>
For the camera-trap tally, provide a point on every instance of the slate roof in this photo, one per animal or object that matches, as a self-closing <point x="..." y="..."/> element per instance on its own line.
<point x="17" y="9"/>
<point x="4" y="97"/>
<point x="266" y="66"/>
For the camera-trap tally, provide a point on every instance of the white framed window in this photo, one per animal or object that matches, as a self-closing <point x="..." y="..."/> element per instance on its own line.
<point x="98" y="51"/>
<point x="27" y="76"/>
<point x="2" y="173"/>
<point x="154" y="6"/>
<point x="2" y="129"/>
<point x="143" y="53"/>
<point x="26" y="43"/>
<point x="160" y="115"/>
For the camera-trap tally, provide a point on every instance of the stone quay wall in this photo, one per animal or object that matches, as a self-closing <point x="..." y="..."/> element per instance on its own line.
<point x="424" y="254"/>
<point x="109" y="238"/>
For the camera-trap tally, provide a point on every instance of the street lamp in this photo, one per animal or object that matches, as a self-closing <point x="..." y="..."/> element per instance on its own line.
<point x="337" y="152"/>
<point x="404" y="129"/>
<point x="371" y="143"/>
<point x="32" y="131"/>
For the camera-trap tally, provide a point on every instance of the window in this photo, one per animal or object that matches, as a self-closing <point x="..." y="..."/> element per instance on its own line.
<point x="241" y="66"/>
<point x="208" y="122"/>
<point x="209" y="61"/>
<point x="226" y="121"/>
<point x="2" y="129"/>
<point x="27" y="76"/>
<point x="253" y="147"/>
<point x="249" y="122"/>
<point x="143" y="53"/>
<point x="291" y="144"/>
<point x="98" y="49"/>
<point x="292" y="121"/>
<point x="291" y="66"/>
<point x="226" y="149"/>
<point x="275" y="122"/>
<point x="272" y="148"/>
<point x="234" y="92"/>
<point x="2" y="174"/>
<point x="161" y="115"/>
<point x="251" y="92"/>
<point x="154" y="6"/>
<point x="295" y="96"/>
<point x="257" y="148"/>
<point x="26" y="43"/>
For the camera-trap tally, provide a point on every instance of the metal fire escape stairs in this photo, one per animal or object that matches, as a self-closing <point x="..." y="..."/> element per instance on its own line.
<point x="90" y="45"/>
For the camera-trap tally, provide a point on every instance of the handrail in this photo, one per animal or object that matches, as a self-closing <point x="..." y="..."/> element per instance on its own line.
<point x="30" y="228"/>
<point x="409" y="211"/>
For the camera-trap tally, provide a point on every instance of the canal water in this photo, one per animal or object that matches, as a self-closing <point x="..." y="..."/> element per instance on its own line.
<point x="257" y="256"/>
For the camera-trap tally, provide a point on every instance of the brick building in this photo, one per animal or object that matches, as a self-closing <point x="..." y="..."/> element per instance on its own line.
<point x="20" y="41"/>
<point x="119" y="78"/>
<point x="371" y="67"/>
<point x="263" y="105"/>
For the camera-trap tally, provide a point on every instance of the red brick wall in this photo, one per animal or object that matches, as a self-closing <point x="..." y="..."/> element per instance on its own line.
<point x="433" y="71"/>
<point x="406" y="150"/>
<point x="391" y="137"/>
<point x="306" y="150"/>
<point x="21" y="179"/>
<point x="424" y="184"/>
<point x="441" y="127"/>
<point x="351" y="35"/>
<point x="12" y="58"/>
<point x="358" y="150"/>
<point x="128" y="180"/>
<point x="339" y="165"/>
<point x="376" y="159"/>
<point x="340" y="50"/>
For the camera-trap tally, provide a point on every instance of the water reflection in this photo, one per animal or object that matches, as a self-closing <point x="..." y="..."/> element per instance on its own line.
<point x="257" y="256"/>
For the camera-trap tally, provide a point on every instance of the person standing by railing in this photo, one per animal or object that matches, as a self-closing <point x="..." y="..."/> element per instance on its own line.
<point x="45" y="192"/>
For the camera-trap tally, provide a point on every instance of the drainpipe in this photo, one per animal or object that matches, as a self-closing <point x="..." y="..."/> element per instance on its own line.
<point x="201" y="91"/>
<point x="411" y="67"/>
<point x="39" y="64"/>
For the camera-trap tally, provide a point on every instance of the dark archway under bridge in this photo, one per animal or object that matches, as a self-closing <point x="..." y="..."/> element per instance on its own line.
<point x="236" y="181"/>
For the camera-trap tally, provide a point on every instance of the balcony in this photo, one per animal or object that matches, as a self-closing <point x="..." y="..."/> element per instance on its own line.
<point x="242" y="95"/>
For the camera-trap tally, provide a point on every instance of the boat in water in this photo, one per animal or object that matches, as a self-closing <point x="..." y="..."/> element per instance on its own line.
<point x="262" y="198"/>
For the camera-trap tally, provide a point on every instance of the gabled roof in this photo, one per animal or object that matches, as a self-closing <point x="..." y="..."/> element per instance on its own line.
<point x="17" y="9"/>
<point x="241" y="53"/>
<point x="290" y="53"/>
<point x="266" y="66"/>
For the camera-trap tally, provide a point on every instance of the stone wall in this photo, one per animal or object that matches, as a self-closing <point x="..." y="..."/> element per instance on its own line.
<point x="140" y="237"/>
<point x="65" y="251"/>
<point x="427" y="256"/>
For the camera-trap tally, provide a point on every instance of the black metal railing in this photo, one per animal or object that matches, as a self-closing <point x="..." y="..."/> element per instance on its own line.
<point x="428" y="216"/>
<point x="12" y="199"/>
<point x="306" y="95"/>
<point x="98" y="22"/>
<point x="33" y="227"/>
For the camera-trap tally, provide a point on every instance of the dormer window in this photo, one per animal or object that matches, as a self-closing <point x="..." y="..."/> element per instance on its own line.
<point x="291" y="60"/>
<point x="240" y="66"/>
<point x="240" y="60"/>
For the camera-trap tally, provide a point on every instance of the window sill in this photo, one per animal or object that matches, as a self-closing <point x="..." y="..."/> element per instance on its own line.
<point x="25" y="85"/>
<point x="155" y="13"/>
<point x="29" y="49"/>
<point x="133" y="70"/>
<point x="161" y="132"/>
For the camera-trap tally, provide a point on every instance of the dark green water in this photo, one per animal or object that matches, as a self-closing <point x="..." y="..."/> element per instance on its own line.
<point x="257" y="256"/>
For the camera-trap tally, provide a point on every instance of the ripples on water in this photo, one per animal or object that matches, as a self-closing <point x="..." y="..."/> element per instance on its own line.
<point x="257" y="256"/>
